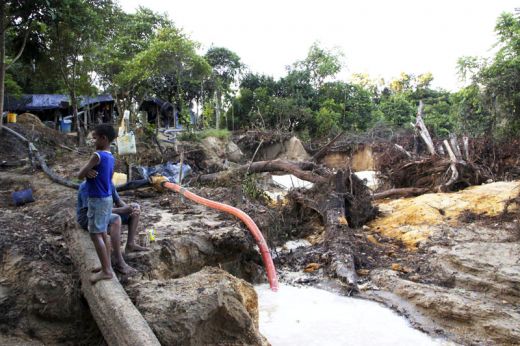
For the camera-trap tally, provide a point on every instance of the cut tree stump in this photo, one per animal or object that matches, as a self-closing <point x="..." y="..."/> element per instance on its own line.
<point x="116" y="316"/>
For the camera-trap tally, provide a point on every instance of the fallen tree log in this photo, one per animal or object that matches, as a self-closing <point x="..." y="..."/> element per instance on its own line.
<point x="302" y="170"/>
<point x="116" y="316"/>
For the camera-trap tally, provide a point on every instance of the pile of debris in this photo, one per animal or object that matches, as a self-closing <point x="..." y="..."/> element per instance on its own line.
<point x="439" y="167"/>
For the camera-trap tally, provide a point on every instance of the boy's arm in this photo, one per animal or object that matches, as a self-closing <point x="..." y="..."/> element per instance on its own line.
<point x="87" y="171"/>
<point x="121" y="208"/>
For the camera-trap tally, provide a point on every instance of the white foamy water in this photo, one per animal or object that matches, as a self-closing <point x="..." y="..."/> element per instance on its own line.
<point x="369" y="176"/>
<point x="289" y="181"/>
<point x="310" y="316"/>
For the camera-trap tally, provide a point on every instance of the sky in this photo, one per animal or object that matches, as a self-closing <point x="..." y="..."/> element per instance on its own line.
<point x="378" y="37"/>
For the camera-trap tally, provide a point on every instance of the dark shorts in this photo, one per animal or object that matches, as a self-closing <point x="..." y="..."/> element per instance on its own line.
<point x="125" y="219"/>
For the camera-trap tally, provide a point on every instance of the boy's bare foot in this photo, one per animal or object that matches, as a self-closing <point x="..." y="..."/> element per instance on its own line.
<point x="124" y="269"/>
<point x="96" y="270"/>
<point x="100" y="276"/>
<point x="134" y="247"/>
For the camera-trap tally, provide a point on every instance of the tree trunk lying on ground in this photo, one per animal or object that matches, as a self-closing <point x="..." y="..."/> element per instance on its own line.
<point x="302" y="170"/>
<point x="116" y="316"/>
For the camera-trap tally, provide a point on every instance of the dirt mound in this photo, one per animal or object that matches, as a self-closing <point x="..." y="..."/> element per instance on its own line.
<point x="412" y="219"/>
<point x="29" y="119"/>
<point x="47" y="140"/>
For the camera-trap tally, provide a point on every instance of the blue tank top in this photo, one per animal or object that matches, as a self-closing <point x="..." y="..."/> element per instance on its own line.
<point x="100" y="186"/>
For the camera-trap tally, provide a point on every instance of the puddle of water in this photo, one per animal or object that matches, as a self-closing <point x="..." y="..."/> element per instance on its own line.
<point x="310" y="316"/>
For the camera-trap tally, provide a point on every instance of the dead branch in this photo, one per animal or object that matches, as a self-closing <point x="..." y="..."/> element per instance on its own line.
<point x="403" y="150"/>
<point x="423" y="131"/>
<point x="455" y="146"/>
<point x="302" y="170"/>
<point x="403" y="192"/>
<point x="254" y="154"/>
<point x="50" y="173"/>
<point x="465" y="141"/>
<point x="325" y="148"/>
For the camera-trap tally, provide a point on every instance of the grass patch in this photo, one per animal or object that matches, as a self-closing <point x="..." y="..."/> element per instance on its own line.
<point x="200" y="135"/>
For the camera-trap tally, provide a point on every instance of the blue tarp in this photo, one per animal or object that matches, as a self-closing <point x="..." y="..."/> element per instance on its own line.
<point x="40" y="102"/>
<point x="16" y="104"/>
<point x="88" y="100"/>
<point x="169" y="170"/>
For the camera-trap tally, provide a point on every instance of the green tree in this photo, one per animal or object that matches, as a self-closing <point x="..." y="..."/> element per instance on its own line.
<point x="321" y="64"/>
<point x="225" y="66"/>
<point x="397" y="110"/>
<point x="169" y="68"/>
<point x="328" y="118"/>
<point x="75" y="30"/>
<point x="499" y="78"/>
<point x="437" y="113"/>
<point x="129" y="34"/>
<point x="470" y="111"/>
<point x="16" y="21"/>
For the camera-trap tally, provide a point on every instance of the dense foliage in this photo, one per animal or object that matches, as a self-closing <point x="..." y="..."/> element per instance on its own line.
<point x="92" y="46"/>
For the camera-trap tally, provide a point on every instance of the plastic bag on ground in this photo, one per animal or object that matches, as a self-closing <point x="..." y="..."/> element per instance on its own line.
<point x="168" y="169"/>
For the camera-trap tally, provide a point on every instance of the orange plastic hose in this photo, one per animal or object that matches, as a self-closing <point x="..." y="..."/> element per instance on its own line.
<point x="251" y="225"/>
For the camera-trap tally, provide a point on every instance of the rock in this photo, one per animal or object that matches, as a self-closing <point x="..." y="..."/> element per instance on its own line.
<point x="291" y="150"/>
<point x="312" y="267"/>
<point x="399" y="268"/>
<point x="396" y="267"/>
<point x="208" y="307"/>
<point x="363" y="272"/>
<point x="217" y="150"/>
<point x="294" y="150"/>
<point x="233" y="152"/>
<point x="373" y="239"/>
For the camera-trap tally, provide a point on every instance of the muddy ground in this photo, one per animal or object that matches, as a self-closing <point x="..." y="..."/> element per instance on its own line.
<point x="457" y="277"/>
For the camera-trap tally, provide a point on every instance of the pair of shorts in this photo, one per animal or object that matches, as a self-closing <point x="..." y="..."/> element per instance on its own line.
<point x="83" y="219"/>
<point x="99" y="214"/>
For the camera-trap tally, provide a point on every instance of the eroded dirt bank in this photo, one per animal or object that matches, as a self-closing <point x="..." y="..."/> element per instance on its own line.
<point x="466" y="277"/>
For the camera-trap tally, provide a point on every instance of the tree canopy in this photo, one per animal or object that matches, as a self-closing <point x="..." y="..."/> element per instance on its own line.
<point x="92" y="46"/>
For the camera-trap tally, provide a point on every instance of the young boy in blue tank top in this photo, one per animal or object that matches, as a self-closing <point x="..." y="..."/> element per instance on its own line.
<point x="99" y="171"/>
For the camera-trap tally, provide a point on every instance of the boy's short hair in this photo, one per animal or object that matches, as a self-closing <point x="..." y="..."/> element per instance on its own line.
<point x="106" y="130"/>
